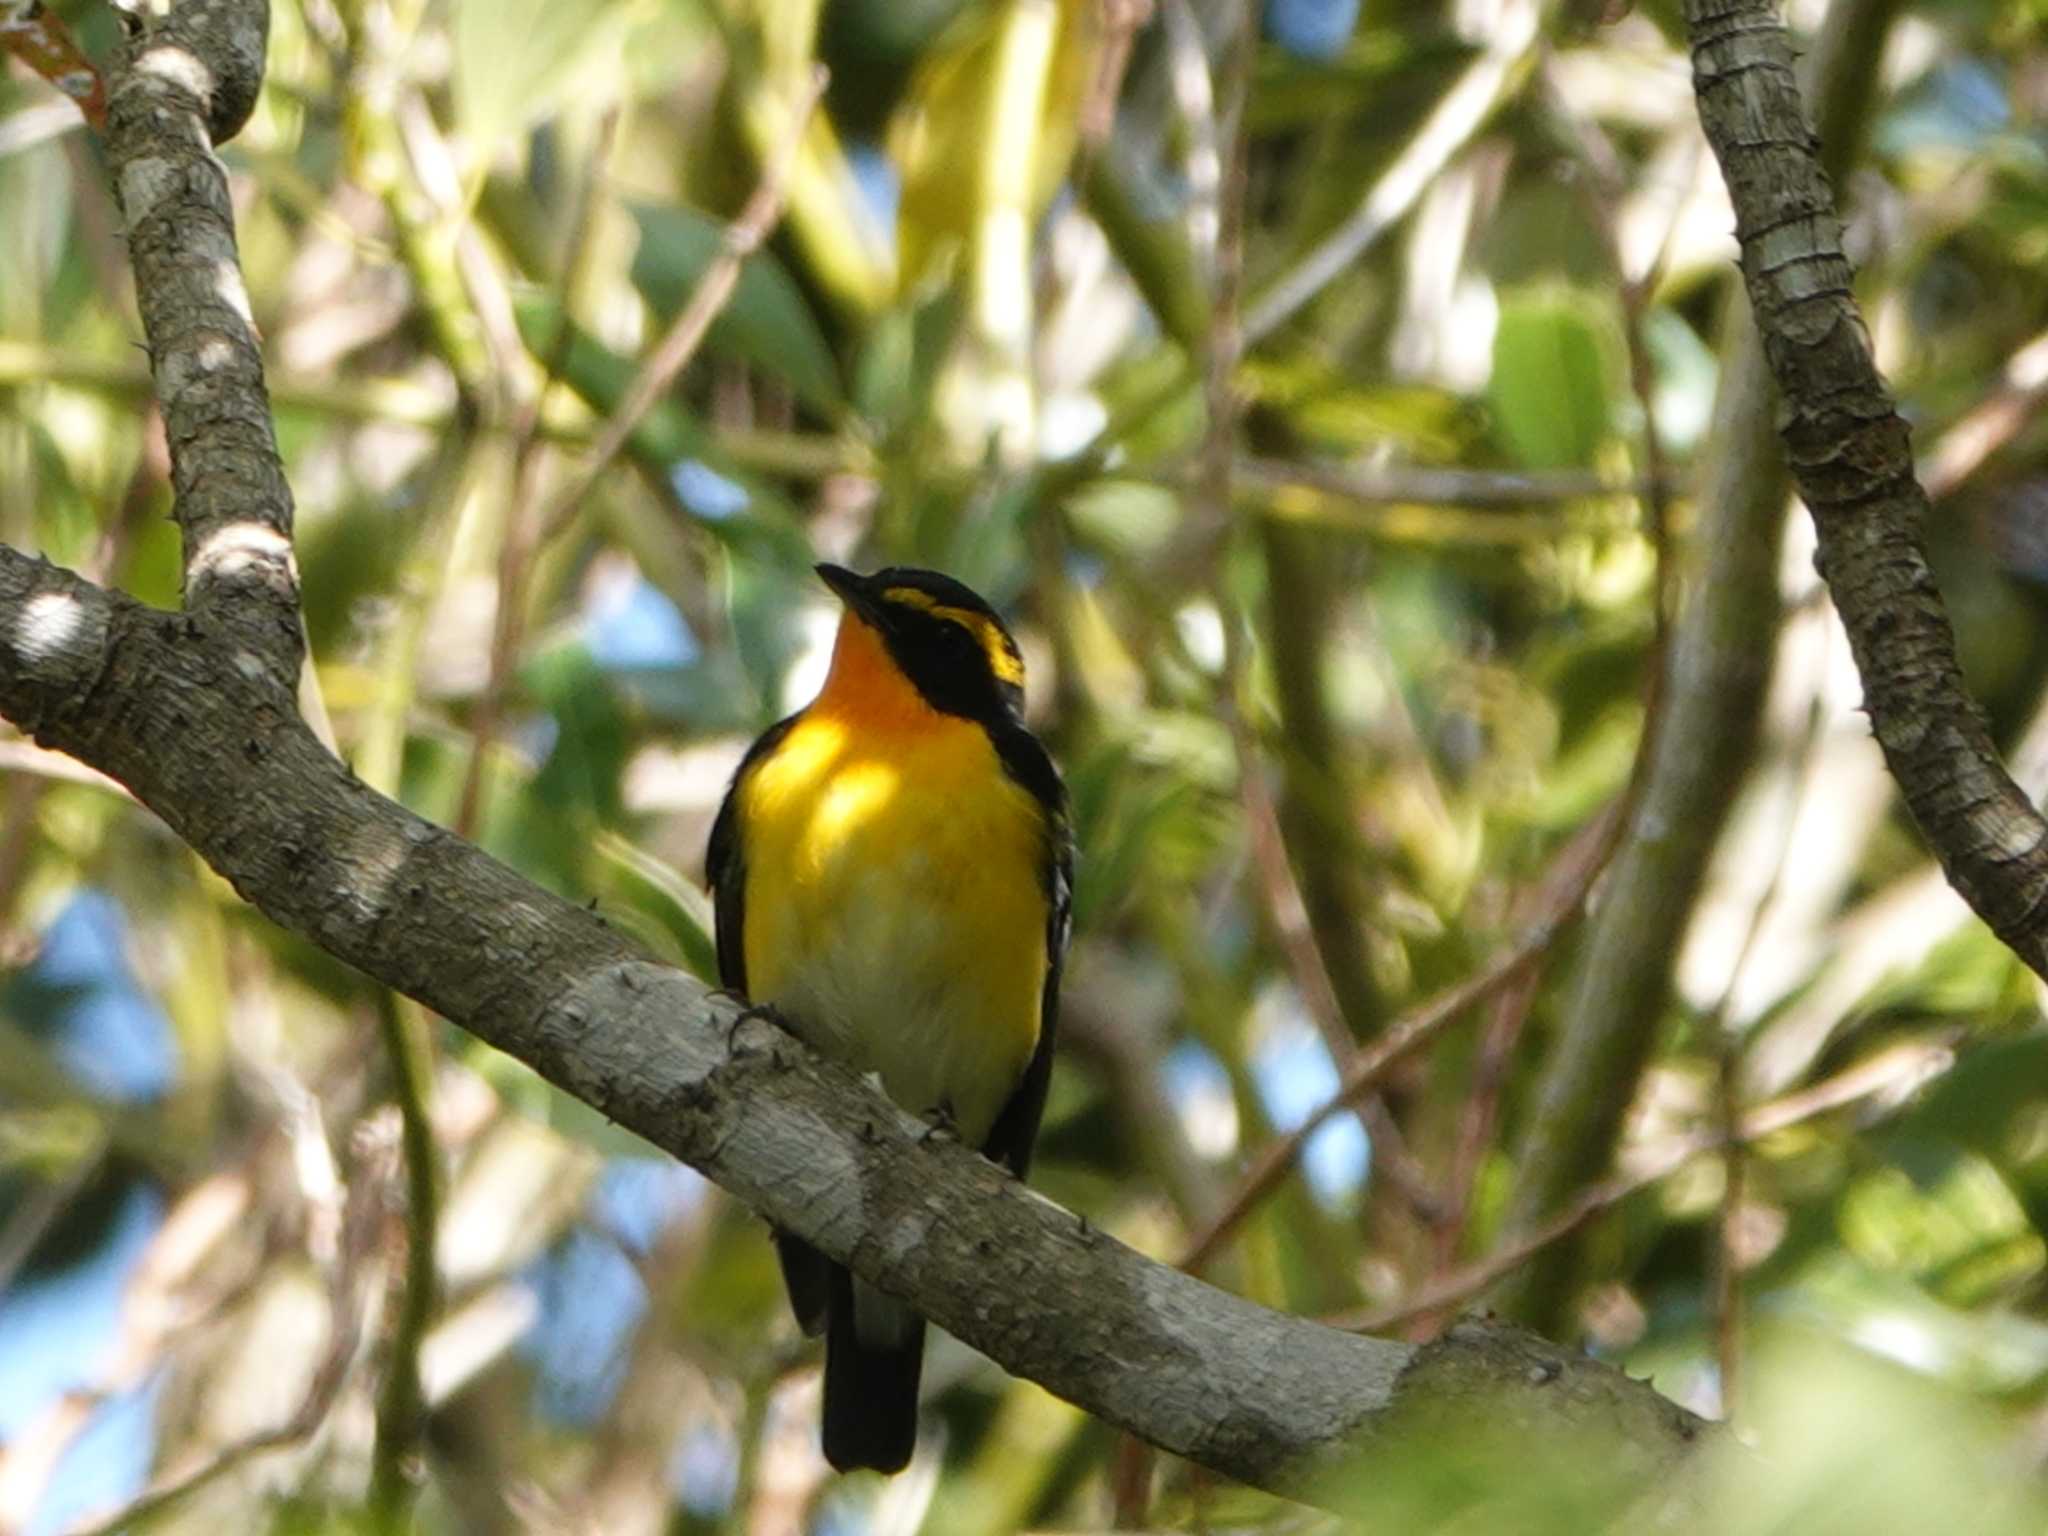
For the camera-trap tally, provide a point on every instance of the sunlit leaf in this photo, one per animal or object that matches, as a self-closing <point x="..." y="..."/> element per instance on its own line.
<point x="515" y="59"/>
<point x="963" y="159"/>
<point x="1553" y="377"/>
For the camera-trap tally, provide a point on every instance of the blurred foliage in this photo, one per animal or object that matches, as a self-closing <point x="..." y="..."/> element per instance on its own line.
<point x="975" y="342"/>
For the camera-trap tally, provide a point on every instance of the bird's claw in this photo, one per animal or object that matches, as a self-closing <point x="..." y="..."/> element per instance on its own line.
<point x="941" y="1126"/>
<point x="767" y="1013"/>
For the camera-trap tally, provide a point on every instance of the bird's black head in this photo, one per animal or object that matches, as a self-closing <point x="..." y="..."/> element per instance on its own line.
<point x="945" y="638"/>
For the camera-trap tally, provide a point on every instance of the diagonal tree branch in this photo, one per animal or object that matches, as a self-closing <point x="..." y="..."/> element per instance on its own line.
<point x="1851" y="458"/>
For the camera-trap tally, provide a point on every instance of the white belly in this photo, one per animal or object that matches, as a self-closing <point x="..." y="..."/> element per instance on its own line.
<point x="891" y="986"/>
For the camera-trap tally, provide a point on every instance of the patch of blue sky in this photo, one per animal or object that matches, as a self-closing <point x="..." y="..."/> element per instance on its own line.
<point x="707" y="493"/>
<point x="86" y="944"/>
<point x="1199" y="1089"/>
<point x="105" y="1466"/>
<point x="632" y="626"/>
<point x="591" y="1299"/>
<point x="106" y="1033"/>
<point x="116" y="1046"/>
<point x="842" y="1514"/>
<point x="1957" y="106"/>
<point x="1295" y="1076"/>
<point x="705" y="1470"/>
<point x="56" y="1326"/>
<point x="638" y="1198"/>
<point x="881" y="189"/>
<point x="1311" y="29"/>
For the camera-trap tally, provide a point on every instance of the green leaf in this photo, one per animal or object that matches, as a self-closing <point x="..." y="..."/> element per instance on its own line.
<point x="581" y="774"/>
<point x="1945" y="1215"/>
<point x="1553" y="377"/>
<point x="1132" y="517"/>
<point x="883" y="382"/>
<point x="516" y="59"/>
<point x="653" y="899"/>
<point x="767" y="322"/>
<point x="1149" y="236"/>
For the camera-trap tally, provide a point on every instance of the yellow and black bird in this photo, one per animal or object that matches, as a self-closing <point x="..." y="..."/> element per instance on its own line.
<point x="892" y="867"/>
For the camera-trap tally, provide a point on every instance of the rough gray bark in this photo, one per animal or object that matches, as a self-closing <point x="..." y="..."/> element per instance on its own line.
<point x="186" y="81"/>
<point x="195" y="713"/>
<point x="1851" y="458"/>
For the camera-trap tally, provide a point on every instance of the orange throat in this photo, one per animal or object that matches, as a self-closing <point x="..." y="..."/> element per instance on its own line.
<point x="865" y="687"/>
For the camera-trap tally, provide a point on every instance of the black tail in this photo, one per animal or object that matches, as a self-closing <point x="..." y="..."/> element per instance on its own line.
<point x="874" y="1352"/>
<point x="808" y="1275"/>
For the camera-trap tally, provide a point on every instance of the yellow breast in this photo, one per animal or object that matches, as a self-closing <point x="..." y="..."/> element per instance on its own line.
<point x="895" y="905"/>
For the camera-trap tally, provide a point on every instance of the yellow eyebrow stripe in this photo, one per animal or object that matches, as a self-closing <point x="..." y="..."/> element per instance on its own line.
<point x="1003" y="659"/>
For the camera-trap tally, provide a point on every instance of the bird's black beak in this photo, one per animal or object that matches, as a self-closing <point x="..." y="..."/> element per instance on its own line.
<point x="853" y="590"/>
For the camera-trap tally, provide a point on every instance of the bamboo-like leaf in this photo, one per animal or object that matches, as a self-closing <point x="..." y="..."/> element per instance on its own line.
<point x="653" y="898"/>
<point x="768" y="323"/>
<point x="515" y="60"/>
<point x="1553" y="380"/>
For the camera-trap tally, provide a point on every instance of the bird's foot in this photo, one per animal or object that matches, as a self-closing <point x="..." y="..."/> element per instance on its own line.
<point x="766" y="1013"/>
<point x="940" y="1126"/>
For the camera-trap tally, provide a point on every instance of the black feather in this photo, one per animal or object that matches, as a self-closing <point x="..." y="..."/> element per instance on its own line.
<point x="725" y="864"/>
<point x="870" y="1418"/>
<point x="809" y="1277"/>
<point x="806" y="1273"/>
<point x="1010" y="1139"/>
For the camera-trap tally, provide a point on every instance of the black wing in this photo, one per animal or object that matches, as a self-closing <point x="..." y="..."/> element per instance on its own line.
<point x="807" y="1273"/>
<point x="1016" y="1128"/>
<point x="725" y="864"/>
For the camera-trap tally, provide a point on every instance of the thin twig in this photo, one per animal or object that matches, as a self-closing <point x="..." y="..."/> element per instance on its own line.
<point x="1194" y="97"/>
<point x="1502" y="490"/>
<point x="401" y="1409"/>
<point x="1121" y="22"/>
<point x="522" y="524"/>
<point x="1282" y="892"/>
<point x="1570" y="877"/>
<point x="1462" y="112"/>
<point x="1479" y="1113"/>
<point x="40" y="39"/>
<point x="714" y="290"/>
<point x="1726" y="1299"/>
<point x="1896" y="1071"/>
<point x="1306" y="966"/>
<point x="406" y="402"/>
<point x="1990" y="424"/>
<point x="1133" y="1461"/>
<point x="346" y="1297"/>
<point x="1603" y="184"/>
<point x="34" y="1213"/>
